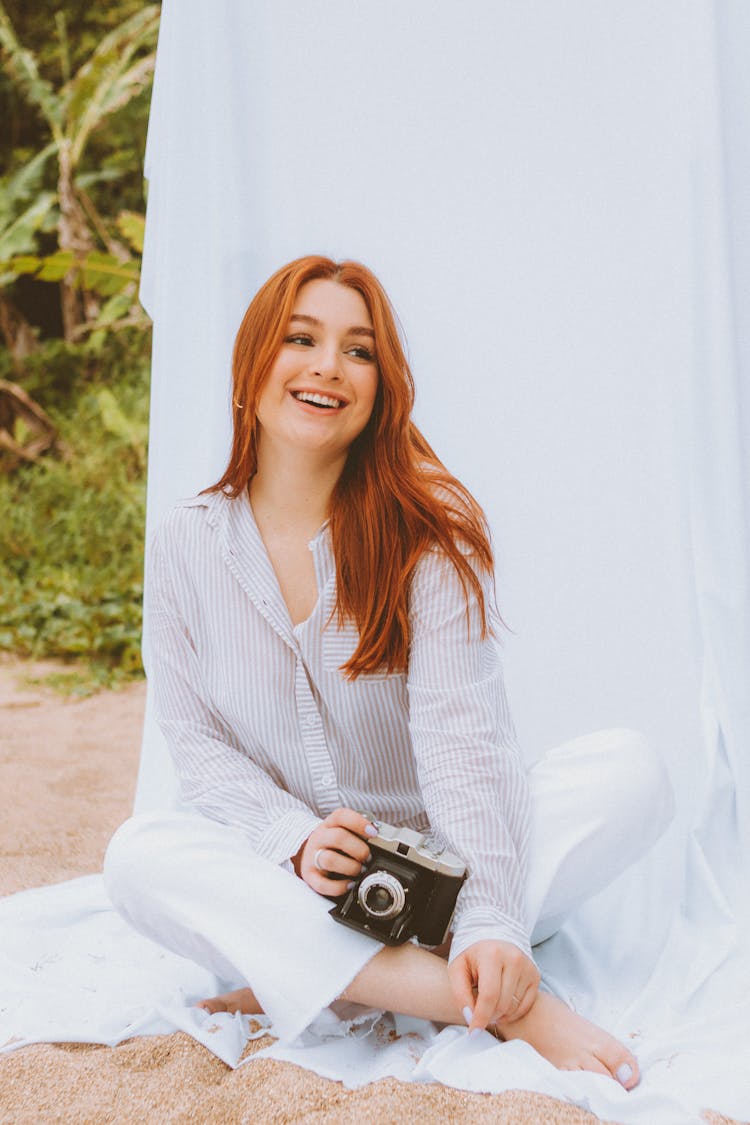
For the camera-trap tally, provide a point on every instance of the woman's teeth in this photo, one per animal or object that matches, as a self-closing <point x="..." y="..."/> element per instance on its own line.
<point x="316" y="400"/>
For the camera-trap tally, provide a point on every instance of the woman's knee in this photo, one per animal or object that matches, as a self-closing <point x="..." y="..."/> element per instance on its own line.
<point x="131" y="861"/>
<point x="637" y="782"/>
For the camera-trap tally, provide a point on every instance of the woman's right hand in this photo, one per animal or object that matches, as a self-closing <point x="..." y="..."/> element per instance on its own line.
<point x="338" y="842"/>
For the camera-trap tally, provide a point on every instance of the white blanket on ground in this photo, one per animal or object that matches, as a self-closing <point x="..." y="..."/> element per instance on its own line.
<point x="72" y="971"/>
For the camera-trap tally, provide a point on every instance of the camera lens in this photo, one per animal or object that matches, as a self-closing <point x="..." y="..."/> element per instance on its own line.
<point x="379" y="900"/>
<point x="381" y="895"/>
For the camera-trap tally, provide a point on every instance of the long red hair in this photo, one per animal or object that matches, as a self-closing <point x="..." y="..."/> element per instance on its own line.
<point x="394" y="499"/>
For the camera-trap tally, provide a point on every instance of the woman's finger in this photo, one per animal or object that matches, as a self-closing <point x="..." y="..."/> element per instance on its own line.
<point x="526" y="1002"/>
<point x="462" y="984"/>
<point x="489" y="988"/>
<point x="511" y="993"/>
<point x="346" y="842"/>
<point x="352" y="820"/>
<point x="330" y="888"/>
<point x="330" y="860"/>
<point x="524" y="987"/>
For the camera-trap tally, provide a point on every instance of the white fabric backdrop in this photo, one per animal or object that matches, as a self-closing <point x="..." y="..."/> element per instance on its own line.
<point x="555" y="198"/>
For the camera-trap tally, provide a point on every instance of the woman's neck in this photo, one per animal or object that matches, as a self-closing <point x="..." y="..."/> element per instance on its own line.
<point x="293" y="492"/>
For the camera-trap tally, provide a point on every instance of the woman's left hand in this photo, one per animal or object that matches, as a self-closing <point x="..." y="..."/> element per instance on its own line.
<point x="495" y="980"/>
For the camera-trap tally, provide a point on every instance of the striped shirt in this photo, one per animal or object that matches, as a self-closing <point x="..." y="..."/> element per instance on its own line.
<point x="268" y="735"/>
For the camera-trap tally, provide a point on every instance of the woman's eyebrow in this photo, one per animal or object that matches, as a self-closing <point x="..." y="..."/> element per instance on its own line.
<point x="353" y="331"/>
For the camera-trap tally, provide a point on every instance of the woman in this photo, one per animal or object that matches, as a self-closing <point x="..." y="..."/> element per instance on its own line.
<point x="323" y="641"/>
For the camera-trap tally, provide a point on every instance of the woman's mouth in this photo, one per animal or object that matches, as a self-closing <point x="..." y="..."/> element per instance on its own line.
<point x="322" y="402"/>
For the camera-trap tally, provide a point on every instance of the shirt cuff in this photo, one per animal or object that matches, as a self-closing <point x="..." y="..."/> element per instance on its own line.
<point x="286" y="835"/>
<point x="480" y="924"/>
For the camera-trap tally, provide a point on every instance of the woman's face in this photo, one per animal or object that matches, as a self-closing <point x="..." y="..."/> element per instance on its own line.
<point x="321" y="389"/>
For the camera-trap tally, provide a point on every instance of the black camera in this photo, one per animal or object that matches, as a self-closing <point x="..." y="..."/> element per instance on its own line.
<point x="407" y="889"/>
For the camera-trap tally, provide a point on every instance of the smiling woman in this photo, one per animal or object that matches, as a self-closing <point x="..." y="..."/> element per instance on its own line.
<point x="322" y="372"/>
<point x="324" y="641"/>
<point x="366" y="468"/>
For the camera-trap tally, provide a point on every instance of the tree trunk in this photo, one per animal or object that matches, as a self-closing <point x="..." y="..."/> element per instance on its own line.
<point x="78" y="306"/>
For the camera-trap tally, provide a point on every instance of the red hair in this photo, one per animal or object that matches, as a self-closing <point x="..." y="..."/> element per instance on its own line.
<point x="394" y="499"/>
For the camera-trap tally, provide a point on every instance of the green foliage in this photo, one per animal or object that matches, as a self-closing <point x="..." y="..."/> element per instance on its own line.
<point x="75" y="80"/>
<point x="72" y="558"/>
<point x="117" y="71"/>
<point x="97" y="272"/>
<point x="73" y="91"/>
<point x="24" y="207"/>
<point x="110" y="78"/>
<point x="132" y="227"/>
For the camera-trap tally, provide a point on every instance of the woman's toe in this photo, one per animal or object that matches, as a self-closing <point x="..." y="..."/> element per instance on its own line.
<point x="596" y="1065"/>
<point x="214" y="1005"/>
<point x="620" y="1064"/>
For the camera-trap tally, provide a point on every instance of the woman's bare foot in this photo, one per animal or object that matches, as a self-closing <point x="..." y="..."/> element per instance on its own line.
<point x="571" y="1042"/>
<point x="241" y="1000"/>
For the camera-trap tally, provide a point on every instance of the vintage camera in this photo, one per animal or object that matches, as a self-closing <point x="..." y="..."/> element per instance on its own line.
<point x="407" y="889"/>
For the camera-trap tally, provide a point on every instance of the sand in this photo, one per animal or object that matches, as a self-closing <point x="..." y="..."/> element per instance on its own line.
<point x="67" y="777"/>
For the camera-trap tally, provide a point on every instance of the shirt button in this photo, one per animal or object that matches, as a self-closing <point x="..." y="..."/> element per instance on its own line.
<point x="327" y="779"/>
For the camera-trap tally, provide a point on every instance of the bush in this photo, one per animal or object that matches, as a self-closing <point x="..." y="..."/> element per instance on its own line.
<point x="72" y="529"/>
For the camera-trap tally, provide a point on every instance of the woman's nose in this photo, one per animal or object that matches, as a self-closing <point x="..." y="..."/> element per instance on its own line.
<point x="326" y="363"/>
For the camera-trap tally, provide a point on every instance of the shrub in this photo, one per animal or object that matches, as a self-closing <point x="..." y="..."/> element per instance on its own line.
<point x="71" y="561"/>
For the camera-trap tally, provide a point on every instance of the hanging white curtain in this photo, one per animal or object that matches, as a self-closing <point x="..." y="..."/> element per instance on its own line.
<point x="545" y="194"/>
<point x="554" y="196"/>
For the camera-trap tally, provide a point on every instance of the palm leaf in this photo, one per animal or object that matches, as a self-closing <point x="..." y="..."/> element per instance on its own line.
<point x="54" y="267"/>
<point x="132" y="227"/>
<point x="85" y="180"/>
<point x="109" y="78"/>
<point x="23" y="183"/>
<point x="18" y="235"/>
<point x="104" y="274"/>
<point x="98" y="272"/>
<point x="21" y="66"/>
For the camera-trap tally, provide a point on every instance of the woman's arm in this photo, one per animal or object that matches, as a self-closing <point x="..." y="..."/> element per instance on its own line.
<point x="472" y="778"/>
<point x="215" y="773"/>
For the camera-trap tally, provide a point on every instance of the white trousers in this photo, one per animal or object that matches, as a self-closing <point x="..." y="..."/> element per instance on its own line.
<point x="196" y="886"/>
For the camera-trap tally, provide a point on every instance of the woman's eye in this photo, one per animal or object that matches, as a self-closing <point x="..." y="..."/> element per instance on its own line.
<point x="362" y="353"/>
<point x="299" y="338"/>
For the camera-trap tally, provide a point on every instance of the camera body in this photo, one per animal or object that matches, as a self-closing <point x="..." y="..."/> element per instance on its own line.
<point x="408" y="889"/>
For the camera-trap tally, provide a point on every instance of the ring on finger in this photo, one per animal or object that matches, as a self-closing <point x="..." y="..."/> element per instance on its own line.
<point x="316" y="861"/>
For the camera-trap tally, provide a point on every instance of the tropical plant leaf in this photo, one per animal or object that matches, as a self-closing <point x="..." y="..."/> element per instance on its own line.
<point x="101" y="273"/>
<point x="23" y="264"/>
<point x="23" y="183"/>
<point x="18" y="236"/>
<point x="115" y="92"/>
<point x="132" y="227"/>
<point x="104" y="274"/>
<point x="114" y="309"/>
<point x="107" y="80"/>
<point x="85" y="180"/>
<point x="21" y="65"/>
<point x="55" y="266"/>
<point x="116" y="422"/>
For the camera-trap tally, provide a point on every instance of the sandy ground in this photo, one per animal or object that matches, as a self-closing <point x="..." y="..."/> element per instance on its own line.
<point x="67" y="777"/>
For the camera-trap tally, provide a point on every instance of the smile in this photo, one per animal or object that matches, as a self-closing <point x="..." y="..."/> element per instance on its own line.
<point x="323" y="402"/>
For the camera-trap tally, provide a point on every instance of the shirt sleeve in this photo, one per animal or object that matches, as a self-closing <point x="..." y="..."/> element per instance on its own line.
<point x="216" y="775"/>
<point x="473" y="781"/>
